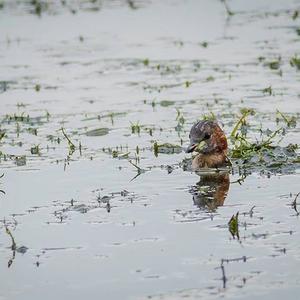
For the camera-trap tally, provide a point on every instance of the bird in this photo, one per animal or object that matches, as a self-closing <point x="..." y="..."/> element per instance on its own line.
<point x="208" y="140"/>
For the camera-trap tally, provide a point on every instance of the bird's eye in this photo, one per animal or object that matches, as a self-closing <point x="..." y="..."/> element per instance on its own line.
<point x="206" y="136"/>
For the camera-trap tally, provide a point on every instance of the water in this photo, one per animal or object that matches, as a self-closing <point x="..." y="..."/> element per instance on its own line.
<point x="89" y="224"/>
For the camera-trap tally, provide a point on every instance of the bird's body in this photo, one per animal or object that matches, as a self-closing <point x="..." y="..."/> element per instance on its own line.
<point x="213" y="153"/>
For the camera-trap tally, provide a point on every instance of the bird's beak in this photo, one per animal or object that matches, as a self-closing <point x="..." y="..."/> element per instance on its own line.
<point x="191" y="148"/>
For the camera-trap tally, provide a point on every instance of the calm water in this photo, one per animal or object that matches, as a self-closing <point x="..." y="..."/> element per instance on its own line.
<point x="88" y="224"/>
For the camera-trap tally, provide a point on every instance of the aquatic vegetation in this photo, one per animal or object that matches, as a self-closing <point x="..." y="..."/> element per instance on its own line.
<point x="209" y="117"/>
<point x="2" y="135"/>
<point x="20" y="160"/>
<point x="229" y="12"/>
<point x="290" y="121"/>
<point x="295" y="15"/>
<point x="166" y="103"/>
<point x="295" y="62"/>
<point x="294" y="203"/>
<point x="146" y="62"/>
<point x="35" y="150"/>
<point x="135" y="128"/>
<point x="180" y="120"/>
<point x="2" y="191"/>
<point x="264" y="151"/>
<point x="37" y="87"/>
<point x="204" y="44"/>
<point x="274" y="64"/>
<point x="32" y="130"/>
<point x="166" y="148"/>
<point x="70" y="143"/>
<point x="97" y="132"/>
<point x="268" y="90"/>
<point x="143" y="77"/>
<point x="187" y="84"/>
<point x="233" y="226"/>
<point x="210" y="78"/>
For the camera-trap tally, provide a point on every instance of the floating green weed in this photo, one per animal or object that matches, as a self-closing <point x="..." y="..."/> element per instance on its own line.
<point x="243" y="147"/>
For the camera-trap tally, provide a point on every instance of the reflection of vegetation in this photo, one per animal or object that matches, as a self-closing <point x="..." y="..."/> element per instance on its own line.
<point x="294" y="204"/>
<point x="139" y="170"/>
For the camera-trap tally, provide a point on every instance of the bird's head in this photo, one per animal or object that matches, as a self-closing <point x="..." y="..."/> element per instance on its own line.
<point x="206" y="137"/>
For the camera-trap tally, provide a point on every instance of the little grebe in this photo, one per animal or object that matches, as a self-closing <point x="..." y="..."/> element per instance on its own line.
<point x="213" y="154"/>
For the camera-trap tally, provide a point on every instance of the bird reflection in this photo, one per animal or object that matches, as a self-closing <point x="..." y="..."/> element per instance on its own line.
<point x="211" y="190"/>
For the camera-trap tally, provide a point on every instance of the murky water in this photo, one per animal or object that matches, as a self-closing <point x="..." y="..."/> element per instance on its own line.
<point x="112" y="220"/>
